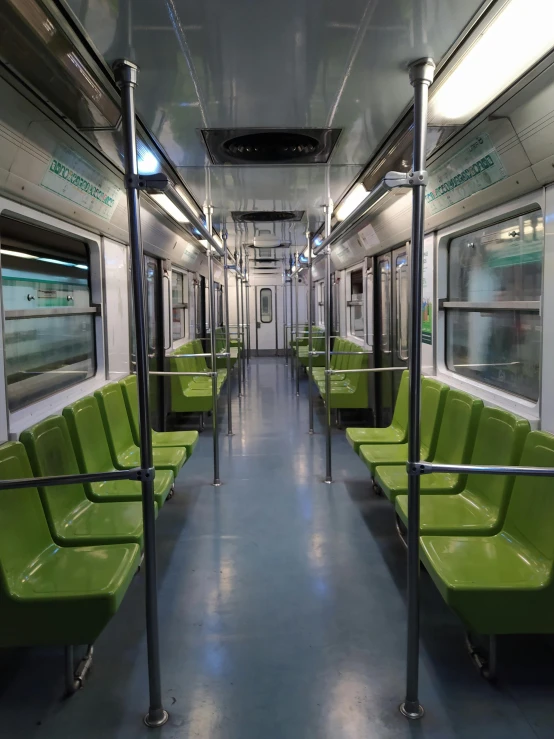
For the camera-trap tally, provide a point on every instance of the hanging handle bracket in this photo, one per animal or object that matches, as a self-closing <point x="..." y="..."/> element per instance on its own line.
<point x="151" y="182"/>
<point x="419" y="178"/>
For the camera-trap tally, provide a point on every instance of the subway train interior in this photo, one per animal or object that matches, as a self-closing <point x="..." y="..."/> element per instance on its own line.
<point x="277" y="429"/>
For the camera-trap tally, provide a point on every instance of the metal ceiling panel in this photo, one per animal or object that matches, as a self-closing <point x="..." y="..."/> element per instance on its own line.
<point x="254" y="63"/>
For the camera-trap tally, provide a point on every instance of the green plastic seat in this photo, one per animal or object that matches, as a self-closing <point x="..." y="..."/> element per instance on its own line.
<point x="318" y="373"/>
<point x="93" y="455"/>
<point x="125" y="453"/>
<point x="454" y="446"/>
<point x="52" y="595"/>
<point x="504" y="584"/>
<point x="396" y="433"/>
<point x="185" y="397"/>
<point x="74" y="520"/>
<point x="183" y="439"/>
<point x="480" y="508"/>
<point x="433" y="398"/>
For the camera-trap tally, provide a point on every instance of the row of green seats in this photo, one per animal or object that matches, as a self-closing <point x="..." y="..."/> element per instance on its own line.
<point x="69" y="552"/>
<point x="300" y="338"/>
<point x="221" y="348"/>
<point x="484" y="539"/>
<point x="347" y="390"/>
<point x="318" y="345"/>
<point x="192" y="394"/>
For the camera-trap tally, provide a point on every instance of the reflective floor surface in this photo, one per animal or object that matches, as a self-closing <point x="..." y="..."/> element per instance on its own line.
<point x="282" y="611"/>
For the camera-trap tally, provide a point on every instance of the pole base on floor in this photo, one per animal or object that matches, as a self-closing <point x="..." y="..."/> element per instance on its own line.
<point x="154" y="719"/>
<point x="311" y="432"/>
<point x="217" y="483"/>
<point x="412" y="711"/>
<point x="327" y="481"/>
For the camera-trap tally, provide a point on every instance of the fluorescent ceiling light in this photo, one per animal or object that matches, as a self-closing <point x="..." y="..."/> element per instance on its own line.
<point x="165" y="203"/>
<point x="511" y="43"/>
<point x="147" y="163"/>
<point x="351" y="202"/>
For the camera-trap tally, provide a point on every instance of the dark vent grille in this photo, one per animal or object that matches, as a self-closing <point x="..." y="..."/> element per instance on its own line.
<point x="270" y="146"/>
<point x="266" y="216"/>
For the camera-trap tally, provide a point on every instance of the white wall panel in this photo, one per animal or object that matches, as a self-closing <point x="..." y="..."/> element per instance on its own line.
<point x="116" y="323"/>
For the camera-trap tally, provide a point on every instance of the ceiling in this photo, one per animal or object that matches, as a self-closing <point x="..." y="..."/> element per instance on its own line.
<point x="253" y="63"/>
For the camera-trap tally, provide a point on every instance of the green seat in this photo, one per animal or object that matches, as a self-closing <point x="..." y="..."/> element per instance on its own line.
<point x="93" y="455"/>
<point x="504" y="584"/>
<point x="396" y="433"/>
<point x="52" y="595"/>
<point x="454" y="446"/>
<point x="185" y="397"/>
<point x="352" y="392"/>
<point x="74" y="520"/>
<point x="184" y="439"/>
<point x="433" y="398"/>
<point x="480" y="508"/>
<point x="318" y="373"/>
<point x="125" y="453"/>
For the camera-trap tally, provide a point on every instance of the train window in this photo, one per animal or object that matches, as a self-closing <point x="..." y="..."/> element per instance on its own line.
<point x="385" y="303"/>
<point x="355" y="304"/>
<point x="402" y="305"/>
<point x="493" y="326"/>
<point x="49" y="322"/>
<point x="266" y="306"/>
<point x="178" y="305"/>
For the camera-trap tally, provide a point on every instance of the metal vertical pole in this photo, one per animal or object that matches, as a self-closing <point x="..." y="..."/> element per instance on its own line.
<point x="285" y="316"/>
<point x="297" y="361"/>
<point x="328" y="467"/>
<point x="238" y="321"/>
<point x="227" y="336"/>
<point x="243" y="343"/>
<point x="310" y="334"/>
<point x="213" y="348"/>
<point x="247" y="289"/>
<point x="291" y="323"/>
<point x="126" y="77"/>
<point x="421" y="76"/>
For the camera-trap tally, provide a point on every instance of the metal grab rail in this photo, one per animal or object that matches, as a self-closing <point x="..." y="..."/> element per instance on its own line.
<point x="427" y="468"/>
<point x="366" y="369"/>
<point x="182" y="374"/>
<point x="137" y="474"/>
<point x="222" y="355"/>
<point x="341" y="354"/>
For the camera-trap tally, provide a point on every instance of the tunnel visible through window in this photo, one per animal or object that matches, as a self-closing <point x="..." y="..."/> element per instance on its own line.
<point x="493" y="324"/>
<point x="49" y="324"/>
<point x="266" y="305"/>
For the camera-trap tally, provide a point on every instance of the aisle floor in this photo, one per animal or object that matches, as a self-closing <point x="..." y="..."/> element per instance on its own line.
<point x="282" y="611"/>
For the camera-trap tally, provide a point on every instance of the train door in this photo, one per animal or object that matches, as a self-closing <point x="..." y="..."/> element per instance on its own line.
<point x="392" y="298"/>
<point x="264" y="320"/>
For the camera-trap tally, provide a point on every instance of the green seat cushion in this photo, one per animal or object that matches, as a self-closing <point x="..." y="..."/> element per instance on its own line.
<point x="393" y="481"/>
<point x="495" y="583"/>
<point x="461" y="514"/>
<point x="125" y="490"/>
<point x="356" y="437"/>
<point x="165" y="458"/>
<point x="184" y="439"/>
<point x="374" y="455"/>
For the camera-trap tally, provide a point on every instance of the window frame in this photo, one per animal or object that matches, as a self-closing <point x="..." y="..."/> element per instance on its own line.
<point x="13" y="422"/>
<point x="357" y="303"/>
<point x="177" y="342"/>
<point x="529" y="409"/>
<point x="270" y="291"/>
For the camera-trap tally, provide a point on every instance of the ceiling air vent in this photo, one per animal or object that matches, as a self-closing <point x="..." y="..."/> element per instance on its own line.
<point x="266" y="216"/>
<point x="270" y="146"/>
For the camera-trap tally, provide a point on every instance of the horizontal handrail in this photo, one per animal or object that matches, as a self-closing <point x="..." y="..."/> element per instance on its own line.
<point x="32" y="482"/>
<point x="426" y="468"/>
<point x="11" y="315"/>
<point x="339" y="354"/>
<point x="182" y="374"/>
<point x="366" y="369"/>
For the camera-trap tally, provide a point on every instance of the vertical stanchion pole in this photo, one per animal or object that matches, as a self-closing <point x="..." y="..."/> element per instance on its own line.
<point x="291" y="323"/>
<point x="310" y="334"/>
<point x="421" y="76"/>
<point x="227" y="336"/>
<point x="297" y="361"/>
<point x="242" y="333"/>
<point x="213" y="348"/>
<point x="285" y="317"/>
<point x="239" y="359"/>
<point x="126" y="78"/>
<point x="247" y="288"/>
<point x="328" y="466"/>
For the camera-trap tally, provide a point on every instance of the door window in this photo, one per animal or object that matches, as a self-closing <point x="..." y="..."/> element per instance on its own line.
<point x="266" y="305"/>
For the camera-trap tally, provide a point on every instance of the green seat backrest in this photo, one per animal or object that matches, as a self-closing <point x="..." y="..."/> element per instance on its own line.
<point x="530" y="515"/>
<point x="88" y="435"/>
<point x="180" y="364"/>
<point x="342" y="359"/>
<point x="24" y="532"/>
<point x="200" y="362"/>
<point x="337" y="347"/>
<point x="356" y="361"/>
<point x="433" y="398"/>
<point x="499" y="441"/>
<point x="115" y="418"/>
<point x="400" y="415"/>
<point x="129" y="387"/>
<point x="50" y="452"/>
<point x="458" y="428"/>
